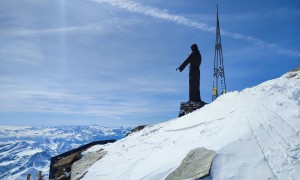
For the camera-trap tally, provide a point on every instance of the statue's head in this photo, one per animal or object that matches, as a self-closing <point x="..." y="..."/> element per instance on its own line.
<point x="194" y="47"/>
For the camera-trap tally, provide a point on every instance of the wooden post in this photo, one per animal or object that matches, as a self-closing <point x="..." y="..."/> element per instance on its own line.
<point x="28" y="176"/>
<point x="40" y="176"/>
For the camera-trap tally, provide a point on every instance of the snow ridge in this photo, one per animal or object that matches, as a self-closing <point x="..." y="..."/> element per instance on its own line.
<point x="255" y="132"/>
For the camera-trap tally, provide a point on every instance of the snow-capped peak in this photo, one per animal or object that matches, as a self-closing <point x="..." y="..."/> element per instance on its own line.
<point x="256" y="134"/>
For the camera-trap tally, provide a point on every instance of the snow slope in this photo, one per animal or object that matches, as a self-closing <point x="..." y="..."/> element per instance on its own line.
<point x="256" y="134"/>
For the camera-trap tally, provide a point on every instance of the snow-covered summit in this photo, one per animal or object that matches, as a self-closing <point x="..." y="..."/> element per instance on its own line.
<point x="256" y="134"/>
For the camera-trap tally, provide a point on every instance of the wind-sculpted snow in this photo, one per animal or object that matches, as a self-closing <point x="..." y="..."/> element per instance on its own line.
<point x="27" y="150"/>
<point x="256" y="134"/>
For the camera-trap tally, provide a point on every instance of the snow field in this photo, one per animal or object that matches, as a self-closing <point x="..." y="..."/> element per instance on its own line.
<point x="254" y="132"/>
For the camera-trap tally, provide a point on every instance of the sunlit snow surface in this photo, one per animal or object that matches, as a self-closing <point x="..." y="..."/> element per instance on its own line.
<point x="254" y="132"/>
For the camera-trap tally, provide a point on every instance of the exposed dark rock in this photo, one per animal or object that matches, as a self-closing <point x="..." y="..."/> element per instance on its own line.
<point x="293" y="73"/>
<point x="67" y="161"/>
<point x="63" y="166"/>
<point x="190" y="106"/>
<point x="195" y="165"/>
<point x="295" y="70"/>
<point x="136" y="129"/>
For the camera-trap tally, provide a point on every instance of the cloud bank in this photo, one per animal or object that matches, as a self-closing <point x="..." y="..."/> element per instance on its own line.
<point x="165" y="15"/>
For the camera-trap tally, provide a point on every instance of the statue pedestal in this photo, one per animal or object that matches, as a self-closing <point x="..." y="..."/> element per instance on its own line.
<point x="190" y="106"/>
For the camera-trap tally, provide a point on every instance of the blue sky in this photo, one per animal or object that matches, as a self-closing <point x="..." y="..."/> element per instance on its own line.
<point x="112" y="62"/>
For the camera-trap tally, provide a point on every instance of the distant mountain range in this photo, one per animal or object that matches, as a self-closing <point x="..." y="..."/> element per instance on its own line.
<point x="27" y="150"/>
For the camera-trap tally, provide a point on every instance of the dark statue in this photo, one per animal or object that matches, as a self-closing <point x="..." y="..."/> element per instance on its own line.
<point x="195" y="101"/>
<point x="194" y="60"/>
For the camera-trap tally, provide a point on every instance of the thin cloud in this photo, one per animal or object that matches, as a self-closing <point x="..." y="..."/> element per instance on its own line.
<point x="37" y="32"/>
<point x="47" y="97"/>
<point x="103" y="27"/>
<point x="20" y="52"/>
<point x="157" y="13"/>
<point x="164" y="15"/>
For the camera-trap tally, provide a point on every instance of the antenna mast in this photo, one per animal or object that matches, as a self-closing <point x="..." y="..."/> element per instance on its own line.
<point x="219" y="73"/>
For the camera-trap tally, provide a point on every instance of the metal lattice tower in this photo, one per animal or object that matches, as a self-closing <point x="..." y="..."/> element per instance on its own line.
<point x="219" y="73"/>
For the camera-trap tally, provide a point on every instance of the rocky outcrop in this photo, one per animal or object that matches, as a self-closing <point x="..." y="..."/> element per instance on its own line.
<point x="79" y="167"/>
<point x="293" y="73"/>
<point x="190" y="106"/>
<point x="136" y="129"/>
<point x="195" y="165"/>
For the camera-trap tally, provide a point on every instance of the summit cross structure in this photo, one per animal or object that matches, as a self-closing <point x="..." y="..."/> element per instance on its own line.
<point x="219" y="73"/>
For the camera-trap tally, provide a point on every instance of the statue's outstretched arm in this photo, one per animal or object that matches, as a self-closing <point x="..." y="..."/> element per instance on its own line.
<point x="185" y="63"/>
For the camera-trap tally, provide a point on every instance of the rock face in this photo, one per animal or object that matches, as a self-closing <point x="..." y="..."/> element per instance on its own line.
<point x="195" y="165"/>
<point x="79" y="167"/>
